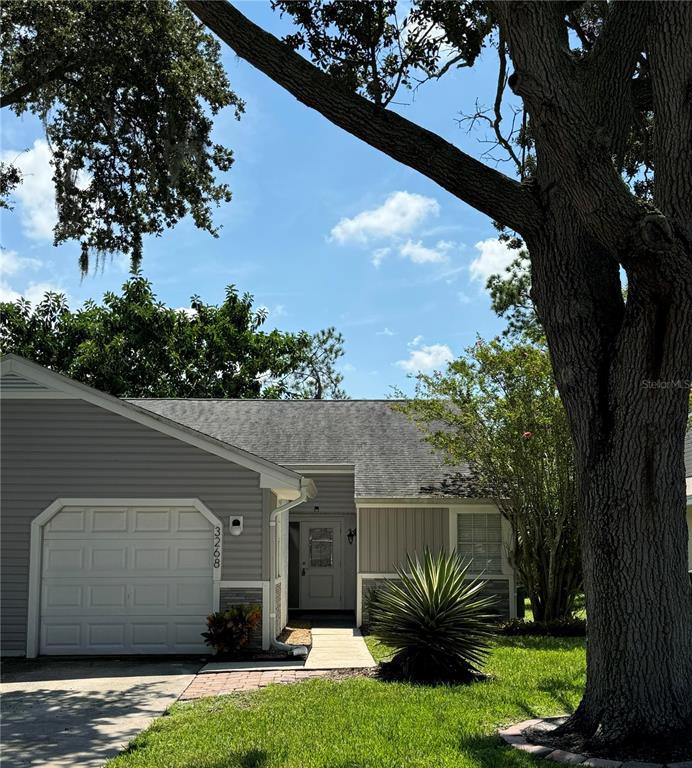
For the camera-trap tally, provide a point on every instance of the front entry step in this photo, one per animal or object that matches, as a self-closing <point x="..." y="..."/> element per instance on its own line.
<point x="338" y="648"/>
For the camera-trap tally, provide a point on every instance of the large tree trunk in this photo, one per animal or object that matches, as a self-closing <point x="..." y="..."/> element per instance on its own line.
<point x="629" y="436"/>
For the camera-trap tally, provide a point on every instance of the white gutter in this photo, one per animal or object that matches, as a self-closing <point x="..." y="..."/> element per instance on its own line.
<point x="307" y="491"/>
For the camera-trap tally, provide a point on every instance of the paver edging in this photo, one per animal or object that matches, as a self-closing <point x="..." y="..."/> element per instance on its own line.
<point x="514" y="737"/>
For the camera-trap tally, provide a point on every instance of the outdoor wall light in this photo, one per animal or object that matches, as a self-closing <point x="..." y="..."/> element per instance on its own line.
<point x="236" y="525"/>
<point x="351" y="535"/>
<point x="317" y="509"/>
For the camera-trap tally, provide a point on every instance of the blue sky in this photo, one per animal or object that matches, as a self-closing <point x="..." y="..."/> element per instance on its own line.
<point x="322" y="229"/>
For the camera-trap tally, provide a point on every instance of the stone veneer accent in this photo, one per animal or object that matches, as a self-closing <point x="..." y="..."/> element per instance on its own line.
<point x="514" y="736"/>
<point x="229" y="596"/>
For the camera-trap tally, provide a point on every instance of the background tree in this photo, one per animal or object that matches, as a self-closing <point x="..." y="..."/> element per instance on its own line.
<point x="603" y="90"/>
<point x="498" y="408"/>
<point x="132" y="345"/>
<point x="314" y="376"/>
<point x="126" y="92"/>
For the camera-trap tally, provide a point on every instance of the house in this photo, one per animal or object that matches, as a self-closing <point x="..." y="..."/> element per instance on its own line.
<point x="125" y="522"/>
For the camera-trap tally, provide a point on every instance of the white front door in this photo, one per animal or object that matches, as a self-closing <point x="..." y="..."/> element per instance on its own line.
<point x="321" y="571"/>
<point x="125" y="580"/>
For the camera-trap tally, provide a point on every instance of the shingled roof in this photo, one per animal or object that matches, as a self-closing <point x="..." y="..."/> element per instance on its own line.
<point x="390" y="458"/>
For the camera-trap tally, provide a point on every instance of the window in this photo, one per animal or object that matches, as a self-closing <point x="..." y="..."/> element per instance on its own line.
<point x="479" y="539"/>
<point x="321" y="547"/>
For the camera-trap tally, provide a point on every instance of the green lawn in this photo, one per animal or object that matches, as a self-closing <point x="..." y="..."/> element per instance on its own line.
<point x="364" y="723"/>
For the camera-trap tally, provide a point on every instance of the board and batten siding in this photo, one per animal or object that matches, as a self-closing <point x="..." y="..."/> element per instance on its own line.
<point x="387" y="534"/>
<point x="61" y="448"/>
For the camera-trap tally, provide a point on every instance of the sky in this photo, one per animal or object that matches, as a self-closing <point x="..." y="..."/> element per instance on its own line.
<point x="323" y="230"/>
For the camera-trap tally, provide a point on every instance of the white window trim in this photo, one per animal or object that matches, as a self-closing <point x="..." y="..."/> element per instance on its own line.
<point x="36" y="548"/>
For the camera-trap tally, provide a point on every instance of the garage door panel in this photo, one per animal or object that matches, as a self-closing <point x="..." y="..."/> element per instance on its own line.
<point x="112" y="558"/>
<point x="100" y="596"/>
<point x="109" y="521"/>
<point x="107" y="636"/>
<point x="62" y="596"/>
<point x="64" y="559"/>
<point x="193" y="558"/>
<point x="153" y="520"/>
<point x="147" y="558"/>
<point x="120" y="580"/>
<point x="71" y="521"/>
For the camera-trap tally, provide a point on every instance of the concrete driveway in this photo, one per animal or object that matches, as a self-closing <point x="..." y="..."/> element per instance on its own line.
<point x="58" y="713"/>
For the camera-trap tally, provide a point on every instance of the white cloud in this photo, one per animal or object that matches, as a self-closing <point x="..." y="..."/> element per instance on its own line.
<point x="464" y="298"/>
<point x="385" y="332"/>
<point x="348" y="368"/>
<point x="35" y="292"/>
<point x="422" y="254"/>
<point x="494" y="257"/>
<point x="379" y="256"/>
<point x="425" y="358"/>
<point x="399" y="215"/>
<point x="11" y="263"/>
<point x="36" y="193"/>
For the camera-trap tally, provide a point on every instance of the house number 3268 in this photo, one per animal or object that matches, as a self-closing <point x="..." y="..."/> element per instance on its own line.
<point x="217" y="546"/>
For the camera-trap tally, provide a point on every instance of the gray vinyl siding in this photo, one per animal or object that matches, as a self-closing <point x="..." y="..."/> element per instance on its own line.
<point x="335" y="497"/>
<point x="387" y="534"/>
<point x="13" y="382"/>
<point x="70" y="448"/>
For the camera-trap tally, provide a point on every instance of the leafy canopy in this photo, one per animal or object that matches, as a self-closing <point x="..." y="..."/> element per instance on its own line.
<point x="127" y="92"/>
<point x="132" y="345"/>
<point x="498" y="408"/>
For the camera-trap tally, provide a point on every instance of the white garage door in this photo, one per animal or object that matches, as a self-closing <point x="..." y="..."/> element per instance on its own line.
<point x="125" y="580"/>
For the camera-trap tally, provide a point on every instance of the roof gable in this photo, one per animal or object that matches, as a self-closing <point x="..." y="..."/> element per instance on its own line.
<point x="28" y="379"/>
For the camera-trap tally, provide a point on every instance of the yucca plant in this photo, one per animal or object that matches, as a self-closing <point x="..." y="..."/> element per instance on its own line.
<point x="435" y="620"/>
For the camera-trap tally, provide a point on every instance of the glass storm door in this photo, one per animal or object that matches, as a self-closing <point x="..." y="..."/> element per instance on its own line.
<point x="320" y="566"/>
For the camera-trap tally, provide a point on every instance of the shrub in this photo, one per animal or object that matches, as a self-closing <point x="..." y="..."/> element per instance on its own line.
<point x="434" y="619"/>
<point x="571" y="627"/>
<point x="229" y="631"/>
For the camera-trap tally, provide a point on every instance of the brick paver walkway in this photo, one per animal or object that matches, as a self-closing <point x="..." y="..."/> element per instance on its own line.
<point x="219" y="683"/>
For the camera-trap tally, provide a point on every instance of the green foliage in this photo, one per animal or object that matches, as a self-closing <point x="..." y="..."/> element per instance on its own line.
<point x="510" y="297"/>
<point x="434" y="619"/>
<point x="126" y="92"/>
<point x="498" y="408"/>
<point x="566" y="627"/>
<point x="370" y="48"/>
<point x="132" y="345"/>
<point x="229" y="631"/>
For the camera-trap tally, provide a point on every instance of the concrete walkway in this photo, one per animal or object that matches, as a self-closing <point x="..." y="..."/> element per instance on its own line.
<point x="60" y="713"/>
<point x="338" y="648"/>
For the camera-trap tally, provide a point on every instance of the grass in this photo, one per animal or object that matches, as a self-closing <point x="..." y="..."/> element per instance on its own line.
<point x="365" y="723"/>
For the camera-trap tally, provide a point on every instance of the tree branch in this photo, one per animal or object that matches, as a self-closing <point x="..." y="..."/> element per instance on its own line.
<point x="26" y="89"/>
<point x="485" y="189"/>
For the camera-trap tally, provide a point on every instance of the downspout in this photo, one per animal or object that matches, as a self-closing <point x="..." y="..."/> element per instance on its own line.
<point x="307" y="491"/>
